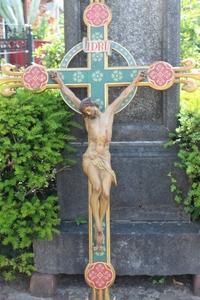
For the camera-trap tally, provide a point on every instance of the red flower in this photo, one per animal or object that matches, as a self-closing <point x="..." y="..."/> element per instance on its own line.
<point x="161" y="74"/>
<point x="100" y="275"/>
<point x="97" y="15"/>
<point x="35" y="77"/>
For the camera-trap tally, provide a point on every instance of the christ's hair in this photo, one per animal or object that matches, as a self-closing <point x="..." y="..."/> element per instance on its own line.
<point x="86" y="103"/>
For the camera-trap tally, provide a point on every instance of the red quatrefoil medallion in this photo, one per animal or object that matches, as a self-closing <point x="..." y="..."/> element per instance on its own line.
<point x="161" y="75"/>
<point x="35" y="77"/>
<point x="97" y="15"/>
<point x="99" y="275"/>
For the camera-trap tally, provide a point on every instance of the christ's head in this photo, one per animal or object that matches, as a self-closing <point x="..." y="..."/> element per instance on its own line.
<point x="89" y="108"/>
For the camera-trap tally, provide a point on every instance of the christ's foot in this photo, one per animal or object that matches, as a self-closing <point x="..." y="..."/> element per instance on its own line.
<point x="99" y="240"/>
<point x="99" y="237"/>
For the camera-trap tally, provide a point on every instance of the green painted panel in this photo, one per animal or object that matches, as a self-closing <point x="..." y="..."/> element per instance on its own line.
<point x="97" y="94"/>
<point x="102" y="255"/>
<point x="120" y="75"/>
<point x="97" y="33"/>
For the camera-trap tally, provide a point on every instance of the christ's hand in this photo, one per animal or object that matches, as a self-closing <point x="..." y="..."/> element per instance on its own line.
<point x="139" y="77"/>
<point x="55" y="76"/>
<point x="65" y="90"/>
<point x="112" y="108"/>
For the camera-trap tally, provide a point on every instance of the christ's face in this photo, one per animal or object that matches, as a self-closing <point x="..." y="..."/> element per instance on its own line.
<point x="91" y="112"/>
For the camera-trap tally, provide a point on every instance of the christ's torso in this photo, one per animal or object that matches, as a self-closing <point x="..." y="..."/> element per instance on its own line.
<point x="99" y="134"/>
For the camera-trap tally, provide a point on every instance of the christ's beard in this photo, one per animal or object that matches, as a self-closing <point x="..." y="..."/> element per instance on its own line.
<point x="94" y="116"/>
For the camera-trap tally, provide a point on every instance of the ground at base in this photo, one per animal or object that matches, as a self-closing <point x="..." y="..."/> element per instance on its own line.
<point x="125" y="288"/>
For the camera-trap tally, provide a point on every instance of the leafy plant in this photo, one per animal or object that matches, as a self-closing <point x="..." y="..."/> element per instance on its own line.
<point x="187" y="137"/>
<point x="40" y="31"/>
<point x="48" y="28"/>
<point x="34" y="130"/>
<point x="158" y="280"/>
<point x="190" y="102"/>
<point x="80" y="220"/>
<point x="51" y="54"/>
<point x="190" y="29"/>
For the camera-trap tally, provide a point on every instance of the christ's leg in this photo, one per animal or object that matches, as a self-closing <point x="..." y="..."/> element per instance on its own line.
<point x="94" y="178"/>
<point x="105" y="196"/>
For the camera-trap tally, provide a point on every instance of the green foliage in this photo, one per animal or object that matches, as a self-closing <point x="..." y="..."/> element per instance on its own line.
<point x="34" y="130"/>
<point x="40" y="31"/>
<point x="51" y="54"/>
<point x="48" y="28"/>
<point x="80" y="220"/>
<point x="187" y="137"/>
<point x="190" y="101"/>
<point x="158" y="280"/>
<point x="190" y="29"/>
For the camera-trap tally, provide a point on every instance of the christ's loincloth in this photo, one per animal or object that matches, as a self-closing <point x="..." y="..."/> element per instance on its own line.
<point x="101" y="163"/>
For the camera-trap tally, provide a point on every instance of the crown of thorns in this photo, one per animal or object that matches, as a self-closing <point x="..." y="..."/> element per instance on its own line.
<point x="87" y="102"/>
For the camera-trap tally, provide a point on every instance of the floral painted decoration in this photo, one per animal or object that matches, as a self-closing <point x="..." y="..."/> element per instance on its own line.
<point x="99" y="275"/>
<point x="35" y="77"/>
<point x="97" y="76"/>
<point x="117" y="75"/>
<point x="161" y="75"/>
<point x="78" y="77"/>
<point x="97" y="15"/>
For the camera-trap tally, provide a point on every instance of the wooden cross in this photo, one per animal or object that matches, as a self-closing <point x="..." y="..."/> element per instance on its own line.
<point x="98" y="77"/>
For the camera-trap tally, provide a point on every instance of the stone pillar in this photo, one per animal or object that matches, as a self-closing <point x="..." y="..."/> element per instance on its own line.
<point x="72" y="23"/>
<point x="43" y="285"/>
<point x="149" y="230"/>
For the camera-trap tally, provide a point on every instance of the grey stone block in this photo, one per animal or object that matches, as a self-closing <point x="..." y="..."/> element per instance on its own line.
<point x="143" y="191"/>
<point x="137" y="249"/>
<point x="43" y="285"/>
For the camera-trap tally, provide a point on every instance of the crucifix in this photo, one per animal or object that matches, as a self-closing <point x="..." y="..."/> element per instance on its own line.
<point x="97" y="77"/>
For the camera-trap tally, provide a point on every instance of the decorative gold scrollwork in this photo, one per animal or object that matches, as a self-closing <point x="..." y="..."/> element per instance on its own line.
<point x="10" y="80"/>
<point x="188" y="79"/>
<point x="9" y="70"/>
<point x="9" y="89"/>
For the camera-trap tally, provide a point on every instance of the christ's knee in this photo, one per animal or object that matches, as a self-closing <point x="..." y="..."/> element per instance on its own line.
<point x="106" y="195"/>
<point x="96" y="189"/>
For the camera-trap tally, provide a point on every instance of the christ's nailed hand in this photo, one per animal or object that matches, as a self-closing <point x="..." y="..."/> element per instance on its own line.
<point x="139" y="77"/>
<point x="55" y="76"/>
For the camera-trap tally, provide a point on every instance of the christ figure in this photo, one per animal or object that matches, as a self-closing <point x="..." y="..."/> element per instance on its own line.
<point x="97" y="158"/>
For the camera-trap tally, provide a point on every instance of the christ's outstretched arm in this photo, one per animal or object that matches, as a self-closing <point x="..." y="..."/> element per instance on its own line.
<point x="112" y="108"/>
<point x="66" y="91"/>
